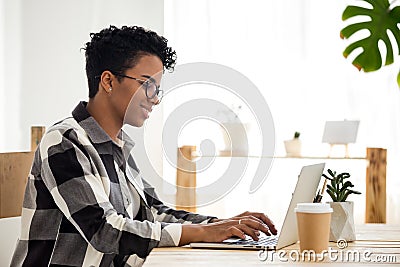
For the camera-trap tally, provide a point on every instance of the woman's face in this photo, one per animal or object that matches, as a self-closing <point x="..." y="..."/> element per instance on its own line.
<point x="130" y="102"/>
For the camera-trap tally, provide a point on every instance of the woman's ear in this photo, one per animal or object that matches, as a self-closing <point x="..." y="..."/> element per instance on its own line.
<point x="106" y="81"/>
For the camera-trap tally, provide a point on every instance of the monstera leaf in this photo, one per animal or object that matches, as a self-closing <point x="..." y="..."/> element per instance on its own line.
<point x="383" y="18"/>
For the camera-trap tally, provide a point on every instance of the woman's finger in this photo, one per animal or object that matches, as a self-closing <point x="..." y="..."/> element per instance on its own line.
<point x="248" y="230"/>
<point x="265" y="220"/>
<point x="234" y="231"/>
<point x="250" y="217"/>
<point x="268" y="222"/>
<point x="256" y="225"/>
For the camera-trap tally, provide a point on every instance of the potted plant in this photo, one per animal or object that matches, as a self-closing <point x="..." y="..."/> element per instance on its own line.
<point x="293" y="146"/>
<point x="342" y="221"/>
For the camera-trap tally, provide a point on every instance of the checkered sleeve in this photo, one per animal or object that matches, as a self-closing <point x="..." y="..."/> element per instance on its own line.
<point x="69" y="171"/>
<point x="167" y="214"/>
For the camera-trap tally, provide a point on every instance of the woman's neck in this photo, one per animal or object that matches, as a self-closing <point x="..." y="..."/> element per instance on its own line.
<point x="104" y="116"/>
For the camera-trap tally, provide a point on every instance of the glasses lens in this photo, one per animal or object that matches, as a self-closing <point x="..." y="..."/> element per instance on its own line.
<point x="151" y="89"/>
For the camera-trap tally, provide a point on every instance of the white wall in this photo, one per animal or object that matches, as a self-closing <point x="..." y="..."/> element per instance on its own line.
<point x="43" y="66"/>
<point x="10" y="75"/>
<point x="292" y="51"/>
<point x="1" y="75"/>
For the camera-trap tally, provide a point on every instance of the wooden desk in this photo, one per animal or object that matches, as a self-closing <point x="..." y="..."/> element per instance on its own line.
<point x="379" y="242"/>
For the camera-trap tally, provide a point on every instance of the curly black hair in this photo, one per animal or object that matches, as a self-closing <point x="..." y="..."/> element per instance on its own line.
<point x="119" y="49"/>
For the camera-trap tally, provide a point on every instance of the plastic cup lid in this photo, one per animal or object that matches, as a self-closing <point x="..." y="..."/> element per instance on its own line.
<point x="313" y="208"/>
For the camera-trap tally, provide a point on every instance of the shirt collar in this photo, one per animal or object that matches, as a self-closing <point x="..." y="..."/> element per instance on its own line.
<point x="94" y="131"/>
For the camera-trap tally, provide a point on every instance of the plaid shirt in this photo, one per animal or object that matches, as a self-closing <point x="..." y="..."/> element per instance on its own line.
<point x="79" y="202"/>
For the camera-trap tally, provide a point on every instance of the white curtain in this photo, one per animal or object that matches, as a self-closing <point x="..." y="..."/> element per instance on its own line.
<point x="1" y="74"/>
<point x="13" y="137"/>
<point x="292" y="51"/>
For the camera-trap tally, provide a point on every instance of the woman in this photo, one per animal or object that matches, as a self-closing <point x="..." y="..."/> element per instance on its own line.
<point x="85" y="202"/>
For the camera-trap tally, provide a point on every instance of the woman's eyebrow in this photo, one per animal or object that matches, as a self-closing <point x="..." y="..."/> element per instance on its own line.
<point x="149" y="78"/>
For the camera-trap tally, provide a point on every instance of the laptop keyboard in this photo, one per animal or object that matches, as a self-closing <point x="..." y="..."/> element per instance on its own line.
<point x="263" y="240"/>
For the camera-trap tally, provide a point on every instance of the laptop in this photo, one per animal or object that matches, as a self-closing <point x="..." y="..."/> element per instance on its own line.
<point x="304" y="191"/>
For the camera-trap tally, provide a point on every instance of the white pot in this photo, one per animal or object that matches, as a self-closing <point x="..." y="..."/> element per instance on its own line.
<point x="342" y="221"/>
<point x="293" y="147"/>
<point x="235" y="135"/>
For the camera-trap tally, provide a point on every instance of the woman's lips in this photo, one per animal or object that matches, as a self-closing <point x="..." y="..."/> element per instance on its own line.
<point x="146" y="112"/>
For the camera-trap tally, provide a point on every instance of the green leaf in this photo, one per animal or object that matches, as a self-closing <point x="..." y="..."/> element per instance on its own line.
<point x="340" y="196"/>
<point x="331" y="195"/>
<point x="344" y="197"/>
<point x="398" y="79"/>
<point x="346" y="185"/>
<point x="340" y="178"/>
<point x="382" y="20"/>
<point x="355" y="192"/>
<point x="345" y="175"/>
<point x="333" y="183"/>
<point x="331" y="173"/>
<point x="330" y="187"/>
<point x="325" y="176"/>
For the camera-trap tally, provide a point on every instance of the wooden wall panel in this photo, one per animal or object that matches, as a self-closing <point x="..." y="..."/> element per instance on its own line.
<point x="375" y="206"/>
<point x="186" y="179"/>
<point x="37" y="133"/>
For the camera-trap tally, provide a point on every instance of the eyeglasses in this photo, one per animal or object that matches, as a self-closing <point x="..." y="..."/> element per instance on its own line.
<point x="150" y="86"/>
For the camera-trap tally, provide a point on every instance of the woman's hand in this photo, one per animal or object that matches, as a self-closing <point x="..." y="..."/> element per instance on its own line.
<point x="247" y="223"/>
<point x="256" y="216"/>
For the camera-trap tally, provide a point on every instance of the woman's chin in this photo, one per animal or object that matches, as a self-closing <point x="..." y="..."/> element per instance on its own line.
<point x="135" y="123"/>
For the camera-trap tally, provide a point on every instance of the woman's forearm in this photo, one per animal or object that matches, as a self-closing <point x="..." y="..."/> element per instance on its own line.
<point x="191" y="233"/>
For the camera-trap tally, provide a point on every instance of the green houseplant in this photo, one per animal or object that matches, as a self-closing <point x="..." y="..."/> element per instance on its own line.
<point x="342" y="221"/>
<point x="339" y="189"/>
<point x="383" y="17"/>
